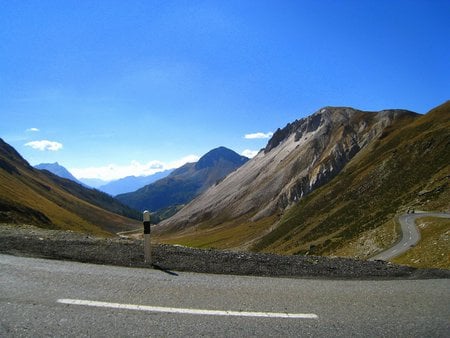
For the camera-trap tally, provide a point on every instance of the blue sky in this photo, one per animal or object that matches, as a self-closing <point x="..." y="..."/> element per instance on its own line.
<point x="114" y="88"/>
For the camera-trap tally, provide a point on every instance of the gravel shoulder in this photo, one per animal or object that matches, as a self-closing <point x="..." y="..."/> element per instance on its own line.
<point x="31" y="241"/>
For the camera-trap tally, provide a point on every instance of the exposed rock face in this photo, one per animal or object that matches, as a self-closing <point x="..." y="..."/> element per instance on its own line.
<point x="298" y="159"/>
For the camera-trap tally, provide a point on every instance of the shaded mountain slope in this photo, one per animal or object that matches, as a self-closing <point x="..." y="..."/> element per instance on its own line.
<point x="299" y="159"/>
<point x="186" y="182"/>
<point x="40" y="198"/>
<point x="96" y="197"/>
<point x="64" y="179"/>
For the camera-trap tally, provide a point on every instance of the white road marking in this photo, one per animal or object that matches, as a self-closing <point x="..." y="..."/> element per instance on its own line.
<point x="186" y="311"/>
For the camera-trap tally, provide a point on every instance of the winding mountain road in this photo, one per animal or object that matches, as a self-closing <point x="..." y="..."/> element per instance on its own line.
<point x="410" y="234"/>
<point x="41" y="297"/>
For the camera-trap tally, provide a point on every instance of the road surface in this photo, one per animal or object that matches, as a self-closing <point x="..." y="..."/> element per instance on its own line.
<point x="410" y="234"/>
<point x="56" y="298"/>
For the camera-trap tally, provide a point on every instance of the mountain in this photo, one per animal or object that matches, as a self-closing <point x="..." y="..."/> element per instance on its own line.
<point x="32" y="196"/>
<point x="186" y="182"/>
<point x="58" y="170"/>
<point x="131" y="183"/>
<point x="251" y="207"/>
<point x="406" y="168"/>
<point x="93" y="182"/>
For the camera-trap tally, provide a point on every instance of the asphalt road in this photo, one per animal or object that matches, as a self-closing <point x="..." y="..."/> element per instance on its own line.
<point x="410" y="235"/>
<point x="56" y="298"/>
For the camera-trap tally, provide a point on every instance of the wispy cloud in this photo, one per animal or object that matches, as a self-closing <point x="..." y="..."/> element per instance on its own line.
<point x="258" y="135"/>
<point x="135" y="168"/>
<point x="249" y="153"/>
<point x="32" y="130"/>
<point x="43" y="145"/>
<point x="178" y="163"/>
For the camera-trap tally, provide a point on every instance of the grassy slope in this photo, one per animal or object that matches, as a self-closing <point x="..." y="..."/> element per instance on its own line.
<point x="226" y="235"/>
<point x="408" y="167"/>
<point x="30" y="196"/>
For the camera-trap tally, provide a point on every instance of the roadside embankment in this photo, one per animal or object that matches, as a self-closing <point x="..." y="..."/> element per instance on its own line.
<point x="65" y="245"/>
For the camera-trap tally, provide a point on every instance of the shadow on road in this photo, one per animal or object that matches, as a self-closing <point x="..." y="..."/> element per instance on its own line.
<point x="163" y="269"/>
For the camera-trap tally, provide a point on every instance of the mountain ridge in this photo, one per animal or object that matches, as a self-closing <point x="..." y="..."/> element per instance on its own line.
<point x="131" y="183"/>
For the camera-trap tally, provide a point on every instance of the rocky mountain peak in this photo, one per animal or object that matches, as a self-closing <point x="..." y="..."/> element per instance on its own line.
<point x="324" y="116"/>
<point x="331" y="119"/>
<point x="58" y="170"/>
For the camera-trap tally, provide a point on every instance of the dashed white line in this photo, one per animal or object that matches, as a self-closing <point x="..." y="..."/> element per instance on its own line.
<point x="187" y="311"/>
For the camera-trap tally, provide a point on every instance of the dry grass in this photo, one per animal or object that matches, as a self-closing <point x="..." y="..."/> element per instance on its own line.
<point x="229" y="235"/>
<point x="370" y="242"/>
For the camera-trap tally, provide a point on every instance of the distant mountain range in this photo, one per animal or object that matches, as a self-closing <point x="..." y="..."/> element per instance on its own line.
<point x="184" y="183"/>
<point x="324" y="184"/>
<point x="120" y="186"/>
<point x="41" y="198"/>
<point x="93" y="182"/>
<point x="58" y="170"/>
<point x="131" y="183"/>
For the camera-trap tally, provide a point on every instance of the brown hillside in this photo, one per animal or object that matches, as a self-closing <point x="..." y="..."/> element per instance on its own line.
<point x="31" y="196"/>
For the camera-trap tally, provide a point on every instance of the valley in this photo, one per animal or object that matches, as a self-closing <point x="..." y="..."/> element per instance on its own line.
<point x="331" y="184"/>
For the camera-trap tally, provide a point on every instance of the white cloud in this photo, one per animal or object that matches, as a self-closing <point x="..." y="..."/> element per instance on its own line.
<point x="43" y="145"/>
<point x="178" y="163"/>
<point x="33" y="129"/>
<point x="250" y="153"/>
<point x="135" y="168"/>
<point x="258" y="135"/>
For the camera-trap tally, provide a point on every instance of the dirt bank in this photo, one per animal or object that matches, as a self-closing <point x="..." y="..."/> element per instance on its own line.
<point x="65" y="245"/>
